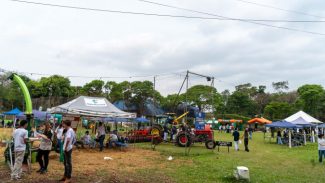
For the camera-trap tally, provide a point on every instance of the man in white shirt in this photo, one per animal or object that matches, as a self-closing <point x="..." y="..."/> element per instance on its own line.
<point x="20" y="136"/>
<point x="321" y="147"/>
<point x="69" y="139"/>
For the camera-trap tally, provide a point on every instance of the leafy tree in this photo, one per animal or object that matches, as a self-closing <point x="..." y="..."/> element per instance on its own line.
<point x="141" y="92"/>
<point x="204" y="97"/>
<point x="170" y="102"/>
<point x="94" y="88"/>
<point x="280" y="86"/>
<point x="278" y="110"/>
<point x="57" y="86"/>
<point x="311" y="97"/>
<point x="240" y="103"/>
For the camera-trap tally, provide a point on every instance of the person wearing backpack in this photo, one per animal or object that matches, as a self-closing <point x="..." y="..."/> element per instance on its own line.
<point x="69" y="140"/>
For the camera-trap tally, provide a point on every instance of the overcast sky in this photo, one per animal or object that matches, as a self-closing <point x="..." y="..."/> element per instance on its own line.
<point x="69" y="42"/>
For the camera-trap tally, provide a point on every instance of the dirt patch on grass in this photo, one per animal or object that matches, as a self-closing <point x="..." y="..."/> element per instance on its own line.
<point x="133" y="165"/>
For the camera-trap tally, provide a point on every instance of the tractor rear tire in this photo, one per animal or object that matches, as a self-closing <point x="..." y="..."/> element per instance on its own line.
<point x="156" y="130"/>
<point x="210" y="144"/>
<point x="184" y="140"/>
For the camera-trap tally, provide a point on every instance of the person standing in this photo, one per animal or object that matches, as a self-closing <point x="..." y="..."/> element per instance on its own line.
<point x="174" y="133"/>
<point x="279" y="138"/>
<point x="59" y="133"/>
<point x="236" y="139"/>
<point x="44" y="148"/>
<point x="20" y="136"/>
<point x="250" y="130"/>
<point x="165" y="133"/>
<point x="321" y="147"/>
<point x="69" y="139"/>
<point x="101" y="135"/>
<point x="246" y="137"/>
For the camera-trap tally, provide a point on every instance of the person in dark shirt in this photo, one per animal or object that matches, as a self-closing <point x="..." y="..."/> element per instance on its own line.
<point x="173" y="133"/>
<point x="245" y="137"/>
<point x="279" y="137"/>
<point x="165" y="132"/>
<point x="236" y="139"/>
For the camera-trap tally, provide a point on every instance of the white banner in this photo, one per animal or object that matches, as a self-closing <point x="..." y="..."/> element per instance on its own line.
<point x="95" y="102"/>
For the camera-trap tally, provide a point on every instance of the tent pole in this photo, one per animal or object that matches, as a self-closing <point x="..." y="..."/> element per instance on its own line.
<point x="312" y="135"/>
<point x="290" y="139"/>
<point x="305" y="141"/>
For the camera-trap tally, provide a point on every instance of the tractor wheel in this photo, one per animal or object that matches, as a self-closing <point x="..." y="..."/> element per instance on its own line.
<point x="210" y="144"/>
<point x="183" y="140"/>
<point x="156" y="130"/>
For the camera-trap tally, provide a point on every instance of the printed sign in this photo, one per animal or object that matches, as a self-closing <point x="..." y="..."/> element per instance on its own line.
<point x="223" y="143"/>
<point x="95" y="102"/>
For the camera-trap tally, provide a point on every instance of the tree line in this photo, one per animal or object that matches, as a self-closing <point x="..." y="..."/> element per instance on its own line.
<point x="246" y="101"/>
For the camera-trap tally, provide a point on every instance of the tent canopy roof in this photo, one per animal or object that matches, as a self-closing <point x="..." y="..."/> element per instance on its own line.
<point x="91" y="106"/>
<point x="40" y="115"/>
<point x="281" y="124"/>
<point x="13" y="112"/>
<point x="304" y="116"/>
<point x="260" y="120"/>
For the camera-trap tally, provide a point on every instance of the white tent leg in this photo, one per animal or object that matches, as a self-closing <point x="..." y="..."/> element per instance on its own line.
<point x="313" y="136"/>
<point x="305" y="141"/>
<point x="290" y="139"/>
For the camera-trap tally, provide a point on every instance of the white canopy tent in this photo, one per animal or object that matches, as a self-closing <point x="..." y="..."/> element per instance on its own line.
<point x="306" y="117"/>
<point x="91" y="106"/>
<point x="302" y="117"/>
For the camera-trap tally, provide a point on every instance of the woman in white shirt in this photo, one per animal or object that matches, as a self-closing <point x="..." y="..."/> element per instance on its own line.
<point x="101" y="135"/>
<point x="45" y="148"/>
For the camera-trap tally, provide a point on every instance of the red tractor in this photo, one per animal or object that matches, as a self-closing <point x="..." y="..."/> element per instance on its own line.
<point x="186" y="138"/>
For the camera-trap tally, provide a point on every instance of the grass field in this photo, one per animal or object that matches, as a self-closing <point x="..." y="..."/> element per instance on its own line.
<point x="267" y="162"/>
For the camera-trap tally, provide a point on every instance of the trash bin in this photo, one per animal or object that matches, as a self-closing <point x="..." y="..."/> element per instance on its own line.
<point x="242" y="173"/>
<point x="34" y="155"/>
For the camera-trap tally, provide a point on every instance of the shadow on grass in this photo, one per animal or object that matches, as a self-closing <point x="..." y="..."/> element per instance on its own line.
<point x="232" y="179"/>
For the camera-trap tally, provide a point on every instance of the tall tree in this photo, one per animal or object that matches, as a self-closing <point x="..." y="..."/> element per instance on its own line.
<point x="311" y="97"/>
<point x="206" y="98"/>
<point x="94" y="88"/>
<point x="278" y="110"/>
<point x="280" y="86"/>
<point x="141" y="91"/>
<point x="240" y="103"/>
<point x="57" y="86"/>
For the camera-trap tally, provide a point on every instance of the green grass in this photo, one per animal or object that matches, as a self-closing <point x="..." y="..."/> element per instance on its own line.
<point x="267" y="162"/>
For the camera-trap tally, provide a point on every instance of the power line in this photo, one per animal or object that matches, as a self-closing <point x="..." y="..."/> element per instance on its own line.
<point x="228" y="18"/>
<point x="281" y="9"/>
<point x="166" y="15"/>
<point x="93" y="77"/>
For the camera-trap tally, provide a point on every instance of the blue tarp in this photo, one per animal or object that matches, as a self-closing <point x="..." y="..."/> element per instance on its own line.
<point x="302" y="122"/>
<point x="150" y="109"/>
<point x="321" y="126"/>
<point x="13" y="112"/>
<point x="142" y="120"/>
<point x="39" y="115"/>
<point x="282" y="124"/>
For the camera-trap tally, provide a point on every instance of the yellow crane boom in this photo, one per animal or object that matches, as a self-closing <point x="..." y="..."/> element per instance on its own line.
<point x="180" y="117"/>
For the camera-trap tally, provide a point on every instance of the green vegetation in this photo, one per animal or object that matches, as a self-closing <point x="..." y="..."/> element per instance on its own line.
<point x="246" y="100"/>
<point x="267" y="162"/>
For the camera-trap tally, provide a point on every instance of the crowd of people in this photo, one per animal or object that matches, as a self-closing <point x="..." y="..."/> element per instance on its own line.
<point x="66" y="139"/>
<point x="45" y="134"/>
